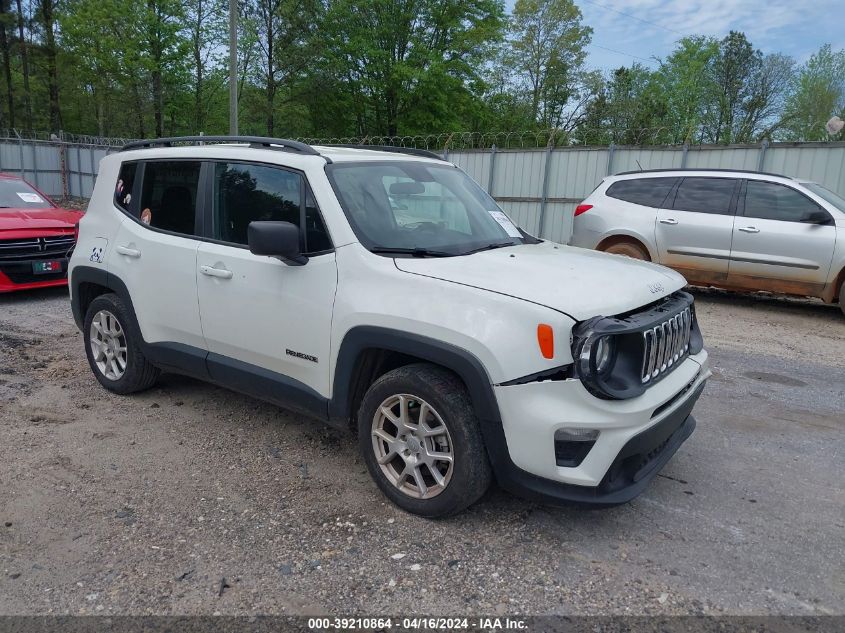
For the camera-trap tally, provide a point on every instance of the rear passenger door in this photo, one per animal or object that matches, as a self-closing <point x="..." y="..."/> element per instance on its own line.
<point x="156" y="246"/>
<point x="783" y="241"/>
<point x="267" y="324"/>
<point x="694" y="231"/>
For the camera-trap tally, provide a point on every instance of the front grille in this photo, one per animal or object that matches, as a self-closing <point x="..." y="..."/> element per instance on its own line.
<point x="26" y="249"/>
<point x="665" y="344"/>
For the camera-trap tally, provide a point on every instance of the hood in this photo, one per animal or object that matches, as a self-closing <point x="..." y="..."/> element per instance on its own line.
<point x="49" y="218"/>
<point x="578" y="282"/>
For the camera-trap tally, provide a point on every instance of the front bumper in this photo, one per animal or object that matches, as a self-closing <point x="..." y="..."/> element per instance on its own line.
<point x="636" y="436"/>
<point x="19" y="276"/>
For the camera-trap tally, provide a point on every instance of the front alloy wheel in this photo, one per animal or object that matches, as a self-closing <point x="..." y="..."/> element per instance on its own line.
<point x="421" y="440"/>
<point x="412" y="446"/>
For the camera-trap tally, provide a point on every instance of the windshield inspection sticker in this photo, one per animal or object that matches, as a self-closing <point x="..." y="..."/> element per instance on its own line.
<point x="29" y="197"/>
<point x="505" y="222"/>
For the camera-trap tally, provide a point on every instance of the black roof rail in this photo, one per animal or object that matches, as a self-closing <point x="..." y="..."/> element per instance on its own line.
<point x="665" y="169"/>
<point x="412" y="151"/>
<point x="282" y="144"/>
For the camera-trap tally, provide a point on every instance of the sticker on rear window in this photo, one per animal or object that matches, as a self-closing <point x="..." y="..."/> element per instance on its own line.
<point x="29" y="197"/>
<point x="505" y="222"/>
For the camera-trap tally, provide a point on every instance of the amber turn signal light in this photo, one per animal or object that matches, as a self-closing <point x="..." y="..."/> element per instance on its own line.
<point x="546" y="340"/>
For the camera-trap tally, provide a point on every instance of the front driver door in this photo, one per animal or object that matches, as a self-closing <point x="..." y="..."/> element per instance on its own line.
<point x="783" y="241"/>
<point x="267" y="324"/>
<point x="693" y="233"/>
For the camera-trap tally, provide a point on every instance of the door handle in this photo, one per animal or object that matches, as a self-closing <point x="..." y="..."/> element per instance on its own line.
<point x="668" y="221"/>
<point x="129" y="252"/>
<point x="221" y="273"/>
<point x="749" y="229"/>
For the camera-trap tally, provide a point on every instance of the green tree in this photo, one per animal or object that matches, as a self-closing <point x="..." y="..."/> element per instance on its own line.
<point x="687" y="79"/>
<point x="206" y="22"/>
<point x="734" y="66"/>
<point x="409" y="65"/>
<point x="818" y="94"/>
<point x="547" y="54"/>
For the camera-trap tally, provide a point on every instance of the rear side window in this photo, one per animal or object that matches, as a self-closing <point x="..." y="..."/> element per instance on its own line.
<point x="649" y="192"/>
<point x="169" y="195"/>
<point x="771" y="201"/>
<point x="705" y="195"/>
<point x="123" y="188"/>
<point x="245" y="193"/>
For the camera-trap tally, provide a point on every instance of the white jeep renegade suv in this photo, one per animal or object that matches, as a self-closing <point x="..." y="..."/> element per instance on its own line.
<point x="386" y="290"/>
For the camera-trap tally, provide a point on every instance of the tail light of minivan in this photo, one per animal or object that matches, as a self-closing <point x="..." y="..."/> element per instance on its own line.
<point x="582" y="208"/>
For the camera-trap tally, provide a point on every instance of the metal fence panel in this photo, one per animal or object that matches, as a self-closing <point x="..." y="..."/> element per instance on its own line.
<point x="723" y="158"/>
<point x="518" y="175"/>
<point x="574" y="173"/>
<point x="538" y="187"/>
<point x="636" y="158"/>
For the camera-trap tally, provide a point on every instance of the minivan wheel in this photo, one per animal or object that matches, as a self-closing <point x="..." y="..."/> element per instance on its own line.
<point x="421" y="441"/>
<point x="629" y="249"/>
<point x="112" y="347"/>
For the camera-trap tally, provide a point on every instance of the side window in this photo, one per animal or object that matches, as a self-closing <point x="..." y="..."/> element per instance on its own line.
<point x="772" y="201"/>
<point x="650" y="192"/>
<point x="169" y="195"/>
<point x="245" y="193"/>
<point x="705" y="195"/>
<point x="123" y="188"/>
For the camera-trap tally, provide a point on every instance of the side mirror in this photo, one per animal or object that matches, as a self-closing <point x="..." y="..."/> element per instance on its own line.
<point x="276" y="239"/>
<point x="816" y="216"/>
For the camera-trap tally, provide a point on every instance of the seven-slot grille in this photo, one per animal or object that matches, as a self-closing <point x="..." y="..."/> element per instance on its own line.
<point x="37" y="247"/>
<point x="665" y="344"/>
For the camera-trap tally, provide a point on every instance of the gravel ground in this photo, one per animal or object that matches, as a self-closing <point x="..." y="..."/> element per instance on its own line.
<point x="189" y="499"/>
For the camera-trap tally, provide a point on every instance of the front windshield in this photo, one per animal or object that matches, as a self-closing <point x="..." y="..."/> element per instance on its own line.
<point x="16" y="194"/>
<point x="420" y="208"/>
<point x="834" y="199"/>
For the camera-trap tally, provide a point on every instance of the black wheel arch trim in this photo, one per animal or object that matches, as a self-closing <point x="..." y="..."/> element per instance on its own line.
<point x="461" y="361"/>
<point x="361" y="338"/>
<point x="99" y="276"/>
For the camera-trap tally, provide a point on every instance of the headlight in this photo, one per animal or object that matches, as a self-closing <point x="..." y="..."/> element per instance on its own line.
<point x="603" y="354"/>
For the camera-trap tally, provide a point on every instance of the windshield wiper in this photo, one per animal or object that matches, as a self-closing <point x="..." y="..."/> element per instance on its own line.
<point x="414" y="252"/>
<point x="489" y="247"/>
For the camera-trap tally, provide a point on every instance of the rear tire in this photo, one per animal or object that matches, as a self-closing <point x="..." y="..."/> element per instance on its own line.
<point x="436" y="465"/>
<point x="112" y="345"/>
<point x="629" y="249"/>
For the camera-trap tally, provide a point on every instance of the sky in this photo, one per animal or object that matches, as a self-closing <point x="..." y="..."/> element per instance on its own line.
<point x="651" y="27"/>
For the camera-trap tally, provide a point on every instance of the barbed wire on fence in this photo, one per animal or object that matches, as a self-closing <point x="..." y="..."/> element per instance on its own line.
<point x="439" y="142"/>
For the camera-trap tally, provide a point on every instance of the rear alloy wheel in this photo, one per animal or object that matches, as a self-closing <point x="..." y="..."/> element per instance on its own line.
<point x="421" y="441"/>
<point x="629" y="249"/>
<point x="108" y="345"/>
<point x="113" y="347"/>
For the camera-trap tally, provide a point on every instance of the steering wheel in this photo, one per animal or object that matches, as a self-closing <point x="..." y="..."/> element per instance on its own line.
<point x="422" y="226"/>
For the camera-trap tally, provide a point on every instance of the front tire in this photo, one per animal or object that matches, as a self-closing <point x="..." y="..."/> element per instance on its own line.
<point x="112" y="345"/>
<point x="421" y="441"/>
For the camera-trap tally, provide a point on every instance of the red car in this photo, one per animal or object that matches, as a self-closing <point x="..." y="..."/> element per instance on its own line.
<point x="36" y="237"/>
